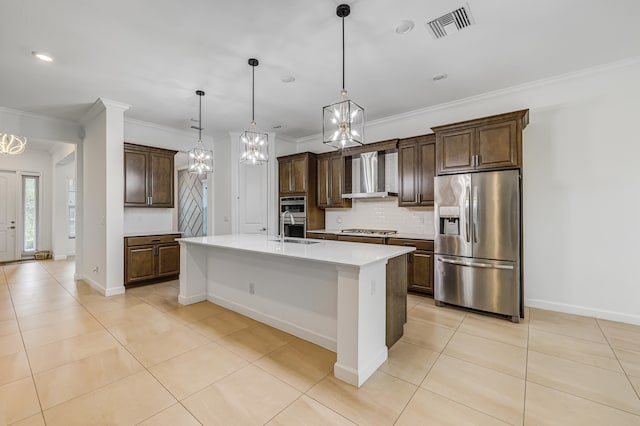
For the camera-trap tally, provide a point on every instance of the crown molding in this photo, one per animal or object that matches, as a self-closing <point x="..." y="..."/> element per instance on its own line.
<point x="493" y="94"/>
<point x="32" y="115"/>
<point x="101" y="104"/>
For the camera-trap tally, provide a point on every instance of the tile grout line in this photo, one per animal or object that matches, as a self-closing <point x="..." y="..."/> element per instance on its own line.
<point x="33" y="379"/>
<point x="430" y="368"/>
<point x="526" y="370"/>
<point x="637" y="391"/>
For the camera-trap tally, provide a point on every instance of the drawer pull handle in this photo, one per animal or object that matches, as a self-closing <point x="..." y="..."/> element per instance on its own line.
<point x="155" y="241"/>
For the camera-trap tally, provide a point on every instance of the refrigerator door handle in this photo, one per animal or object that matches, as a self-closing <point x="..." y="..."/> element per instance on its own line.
<point x="476" y="264"/>
<point x="466" y="209"/>
<point x="475" y="214"/>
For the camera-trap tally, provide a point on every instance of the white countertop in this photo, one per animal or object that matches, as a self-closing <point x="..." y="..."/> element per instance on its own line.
<point x="359" y="234"/>
<point x="150" y="234"/>
<point x="336" y="252"/>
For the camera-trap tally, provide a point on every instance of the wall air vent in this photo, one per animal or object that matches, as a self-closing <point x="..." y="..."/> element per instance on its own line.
<point x="451" y="22"/>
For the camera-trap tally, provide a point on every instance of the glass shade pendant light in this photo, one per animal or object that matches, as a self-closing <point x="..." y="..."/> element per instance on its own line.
<point x="12" y="144"/>
<point x="254" y="146"/>
<point x="200" y="158"/>
<point x="343" y="122"/>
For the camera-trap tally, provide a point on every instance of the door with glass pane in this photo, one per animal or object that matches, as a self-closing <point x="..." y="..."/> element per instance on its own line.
<point x="8" y="216"/>
<point x="30" y="208"/>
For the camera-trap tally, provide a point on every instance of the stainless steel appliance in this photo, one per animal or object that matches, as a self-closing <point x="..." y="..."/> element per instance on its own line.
<point x="294" y="223"/>
<point x="478" y="241"/>
<point x="369" y="231"/>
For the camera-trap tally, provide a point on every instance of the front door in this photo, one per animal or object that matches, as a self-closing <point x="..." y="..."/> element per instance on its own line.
<point x="8" y="216"/>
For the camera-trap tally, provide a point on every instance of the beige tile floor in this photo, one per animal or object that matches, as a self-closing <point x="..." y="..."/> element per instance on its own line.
<point x="69" y="356"/>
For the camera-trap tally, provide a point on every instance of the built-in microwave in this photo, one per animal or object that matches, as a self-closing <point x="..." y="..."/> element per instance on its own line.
<point x="294" y="205"/>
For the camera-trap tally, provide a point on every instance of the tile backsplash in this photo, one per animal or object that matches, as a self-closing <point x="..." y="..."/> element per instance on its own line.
<point x="382" y="214"/>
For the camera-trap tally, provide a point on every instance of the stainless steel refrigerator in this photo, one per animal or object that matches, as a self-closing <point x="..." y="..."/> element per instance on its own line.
<point x="478" y="241"/>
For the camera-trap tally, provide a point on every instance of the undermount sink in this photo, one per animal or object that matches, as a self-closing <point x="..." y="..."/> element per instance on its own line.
<point x="297" y="241"/>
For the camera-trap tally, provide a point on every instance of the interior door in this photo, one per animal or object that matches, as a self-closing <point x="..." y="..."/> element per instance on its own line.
<point x="8" y="216"/>
<point x="496" y="215"/>
<point x="252" y="199"/>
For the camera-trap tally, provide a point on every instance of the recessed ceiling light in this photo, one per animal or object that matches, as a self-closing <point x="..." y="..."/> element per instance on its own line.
<point x="439" y="77"/>
<point x="288" y="79"/>
<point x="405" y="27"/>
<point x="43" y="56"/>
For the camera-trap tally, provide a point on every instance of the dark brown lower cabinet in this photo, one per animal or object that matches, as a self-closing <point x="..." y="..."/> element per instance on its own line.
<point x="321" y="236"/>
<point x="419" y="264"/>
<point x="151" y="259"/>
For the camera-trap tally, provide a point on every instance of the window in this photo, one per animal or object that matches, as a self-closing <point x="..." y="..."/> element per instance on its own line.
<point x="72" y="208"/>
<point x="30" y="211"/>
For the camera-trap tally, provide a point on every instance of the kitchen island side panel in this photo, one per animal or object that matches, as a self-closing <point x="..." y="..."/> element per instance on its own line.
<point x="294" y="295"/>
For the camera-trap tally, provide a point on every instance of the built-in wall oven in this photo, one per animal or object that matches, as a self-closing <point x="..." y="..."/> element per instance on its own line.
<point x="297" y="210"/>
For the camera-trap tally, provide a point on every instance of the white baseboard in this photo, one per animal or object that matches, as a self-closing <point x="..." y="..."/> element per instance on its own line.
<point x="191" y="299"/>
<point x="60" y="257"/>
<point x="114" y="291"/>
<point x="351" y="376"/>
<point x="289" y="327"/>
<point x="91" y="282"/>
<point x="583" y="310"/>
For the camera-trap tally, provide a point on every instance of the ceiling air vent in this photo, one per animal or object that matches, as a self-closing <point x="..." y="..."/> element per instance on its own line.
<point x="451" y="22"/>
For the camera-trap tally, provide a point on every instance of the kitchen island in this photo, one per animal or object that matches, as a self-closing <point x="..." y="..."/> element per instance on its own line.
<point x="327" y="292"/>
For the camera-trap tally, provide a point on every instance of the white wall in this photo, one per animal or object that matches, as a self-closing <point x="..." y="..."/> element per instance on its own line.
<point x="39" y="163"/>
<point x="64" y="169"/>
<point x="581" y="184"/>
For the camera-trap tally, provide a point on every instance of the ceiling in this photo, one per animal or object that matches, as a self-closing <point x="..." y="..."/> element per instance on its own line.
<point x="154" y="54"/>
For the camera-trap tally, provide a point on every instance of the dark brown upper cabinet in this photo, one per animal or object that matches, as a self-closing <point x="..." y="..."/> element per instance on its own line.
<point x="416" y="170"/>
<point x="293" y="172"/>
<point x="148" y="176"/>
<point x="490" y="143"/>
<point x="334" y="172"/>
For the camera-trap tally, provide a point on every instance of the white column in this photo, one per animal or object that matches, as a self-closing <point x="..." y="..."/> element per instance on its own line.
<point x="193" y="273"/>
<point x="361" y="322"/>
<point x="103" y="210"/>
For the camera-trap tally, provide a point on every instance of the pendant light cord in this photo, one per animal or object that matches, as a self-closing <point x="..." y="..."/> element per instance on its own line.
<point x="343" y="53"/>
<point x="200" y="119"/>
<point x="253" y="94"/>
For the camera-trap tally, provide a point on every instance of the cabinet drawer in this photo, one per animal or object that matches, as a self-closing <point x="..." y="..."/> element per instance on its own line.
<point x="153" y="239"/>
<point x="369" y="240"/>
<point x="426" y="245"/>
<point x="321" y="236"/>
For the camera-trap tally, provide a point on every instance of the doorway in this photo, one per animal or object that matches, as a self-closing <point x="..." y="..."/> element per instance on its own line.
<point x="8" y="216"/>
<point x="192" y="204"/>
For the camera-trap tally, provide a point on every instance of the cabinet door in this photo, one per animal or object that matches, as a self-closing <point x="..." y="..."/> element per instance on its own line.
<point x="135" y="178"/>
<point x="337" y="181"/>
<point x="455" y="151"/>
<point x="426" y="172"/>
<point x="284" y="176"/>
<point x="140" y="263"/>
<point x="496" y="146"/>
<point x="160" y="180"/>
<point x="354" y="239"/>
<point x="407" y="178"/>
<point x="421" y="272"/>
<point x="299" y="174"/>
<point x="323" y="181"/>
<point x="168" y="259"/>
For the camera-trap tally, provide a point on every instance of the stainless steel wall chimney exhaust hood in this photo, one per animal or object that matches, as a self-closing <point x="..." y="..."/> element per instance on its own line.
<point x="375" y="175"/>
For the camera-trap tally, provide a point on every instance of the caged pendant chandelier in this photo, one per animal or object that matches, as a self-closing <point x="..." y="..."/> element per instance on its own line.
<point x="343" y="122"/>
<point x="254" y="146"/>
<point x="200" y="158"/>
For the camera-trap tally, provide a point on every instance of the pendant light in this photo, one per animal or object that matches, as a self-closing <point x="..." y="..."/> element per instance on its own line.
<point x="12" y="144"/>
<point x="200" y="158"/>
<point x="343" y="122"/>
<point x="254" y="146"/>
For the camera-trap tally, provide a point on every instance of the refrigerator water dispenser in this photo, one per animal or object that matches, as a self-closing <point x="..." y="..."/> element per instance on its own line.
<point x="449" y="220"/>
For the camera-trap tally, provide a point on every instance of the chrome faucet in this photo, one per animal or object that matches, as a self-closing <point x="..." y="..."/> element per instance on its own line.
<point x="293" y="222"/>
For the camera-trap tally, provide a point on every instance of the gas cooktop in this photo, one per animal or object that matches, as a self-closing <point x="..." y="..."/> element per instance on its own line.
<point x="370" y="231"/>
